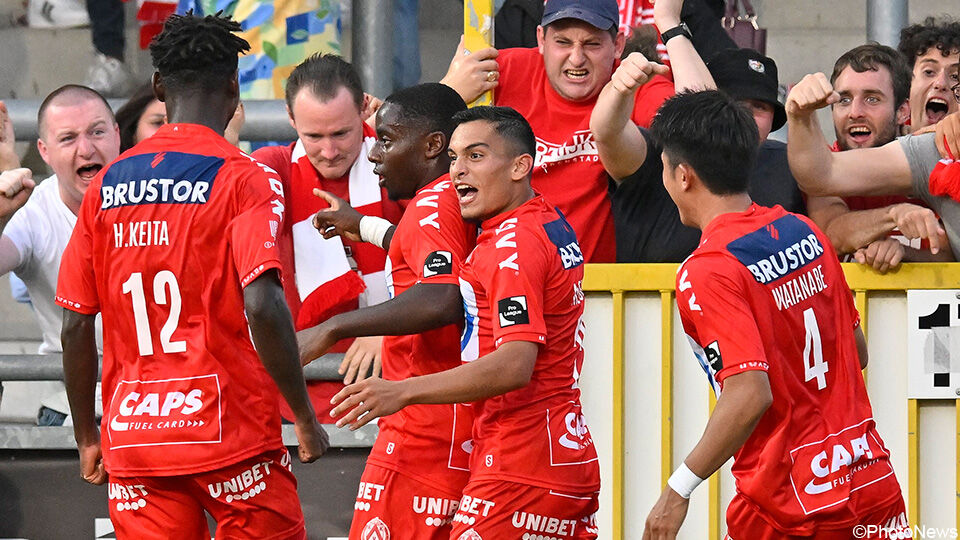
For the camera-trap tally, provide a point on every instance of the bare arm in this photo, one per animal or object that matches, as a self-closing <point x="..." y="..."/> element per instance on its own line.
<point x="862" y="347"/>
<point x="272" y="329"/>
<point x="423" y="307"/>
<point x="867" y="171"/>
<point x="507" y="368"/>
<point x="80" y="364"/>
<point x="745" y="398"/>
<point x="689" y="70"/>
<point x="8" y="153"/>
<point x="621" y="146"/>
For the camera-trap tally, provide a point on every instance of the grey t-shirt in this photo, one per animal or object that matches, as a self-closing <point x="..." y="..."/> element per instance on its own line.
<point x="922" y="155"/>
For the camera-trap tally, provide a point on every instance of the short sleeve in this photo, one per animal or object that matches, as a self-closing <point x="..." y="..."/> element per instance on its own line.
<point x="717" y="317"/>
<point x="254" y="231"/>
<point x="440" y="241"/>
<point x="76" y="280"/>
<point x="19" y="231"/>
<point x="922" y="156"/>
<point x="649" y="99"/>
<point x="517" y="291"/>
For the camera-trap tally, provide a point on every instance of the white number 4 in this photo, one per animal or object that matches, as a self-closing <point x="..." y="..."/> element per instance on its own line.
<point x="817" y="368"/>
<point x="161" y="282"/>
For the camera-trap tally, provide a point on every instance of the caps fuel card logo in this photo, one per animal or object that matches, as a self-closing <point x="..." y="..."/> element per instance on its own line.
<point x="513" y="311"/>
<point x="437" y="263"/>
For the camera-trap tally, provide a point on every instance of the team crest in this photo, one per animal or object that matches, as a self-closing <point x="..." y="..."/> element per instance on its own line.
<point x="375" y="529"/>
<point x="756" y="65"/>
<point x="470" y="535"/>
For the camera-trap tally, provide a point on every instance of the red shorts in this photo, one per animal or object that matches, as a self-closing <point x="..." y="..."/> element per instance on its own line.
<point x="391" y="505"/>
<point x="255" y="498"/>
<point x="493" y="510"/>
<point x="887" y="523"/>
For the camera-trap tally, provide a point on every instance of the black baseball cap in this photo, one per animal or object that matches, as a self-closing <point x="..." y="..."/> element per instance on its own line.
<point x="603" y="14"/>
<point x="747" y="74"/>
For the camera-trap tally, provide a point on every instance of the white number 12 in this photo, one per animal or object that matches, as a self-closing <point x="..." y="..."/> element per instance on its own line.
<point x="816" y="369"/>
<point x="161" y="282"/>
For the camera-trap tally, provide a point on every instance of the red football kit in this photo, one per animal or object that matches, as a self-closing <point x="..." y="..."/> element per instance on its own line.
<point x="567" y="170"/>
<point x="302" y="204"/>
<point x="765" y="291"/>
<point x="421" y="460"/>
<point x="523" y="282"/>
<point x="167" y="237"/>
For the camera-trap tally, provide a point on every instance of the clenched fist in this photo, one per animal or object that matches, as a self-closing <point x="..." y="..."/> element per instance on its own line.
<point x="813" y="92"/>
<point x="634" y="71"/>
<point x="15" y="188"/>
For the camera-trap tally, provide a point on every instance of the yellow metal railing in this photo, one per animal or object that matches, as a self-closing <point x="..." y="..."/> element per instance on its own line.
<point x="620" y="279"/>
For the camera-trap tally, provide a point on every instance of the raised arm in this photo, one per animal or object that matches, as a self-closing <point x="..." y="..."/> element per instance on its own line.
<point x="472" y="74"/>
<point x="818" y="171"/>
<point x="689" y="70"/>
<point x="621" y="145"/>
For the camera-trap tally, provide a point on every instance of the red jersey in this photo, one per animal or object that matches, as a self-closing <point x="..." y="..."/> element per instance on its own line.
<point x="523" y="282"/>
<point x="567" y="168"/>
<point x="428" y="442"/>
<point x="764" y="291"/>
<point x="167" y="237"/>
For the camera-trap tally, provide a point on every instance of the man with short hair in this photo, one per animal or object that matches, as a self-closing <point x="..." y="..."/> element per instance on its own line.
<point x="873" y="82"/>
<point x="422" y="452"/>
<point x="900" y="167"/>
<point x="522" y="347"/>
<point x="326" y="104"/>
<point x="176" y="245"/>
<point x="78" y="137"/>
<point x="932" y="49"/>
<point x="750" y="298"/>
<point x="555" y="87"/>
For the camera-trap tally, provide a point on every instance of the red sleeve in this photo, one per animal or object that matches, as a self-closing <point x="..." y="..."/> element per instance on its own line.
<point x="254" y="231"/>
<point x="717" y="317"/>
<point x="76" y="280"/>
<point x="439" y="244"/>
<point x="275" y="157"/>
<point x="649" y="98"/>
<point x="518" y="287"/>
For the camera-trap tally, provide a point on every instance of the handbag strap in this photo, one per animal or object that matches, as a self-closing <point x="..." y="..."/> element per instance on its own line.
<point x="748" y="7"/>
<point x="731" y="13"/>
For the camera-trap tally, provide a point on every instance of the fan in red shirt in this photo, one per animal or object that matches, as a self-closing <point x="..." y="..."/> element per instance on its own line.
<point x="175" y="245"/>
<point x="770" y="318"/>
<point x="533" y="466"/>
<point x="324" y="277"/>
<point x="420" y="462"/>
<point x="555" y="87"/>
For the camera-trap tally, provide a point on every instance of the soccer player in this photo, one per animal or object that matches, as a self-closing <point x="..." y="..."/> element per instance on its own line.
<point x="771" y="320"/>
<point x="533" y="466"/>
<point x="420" y="462"/>
<point x="175" y="245"/>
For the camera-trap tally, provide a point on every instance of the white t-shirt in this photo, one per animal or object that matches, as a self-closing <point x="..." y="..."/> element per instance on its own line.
<point x="41" y="230"/>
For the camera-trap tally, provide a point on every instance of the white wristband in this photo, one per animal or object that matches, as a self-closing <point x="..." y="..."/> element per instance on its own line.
<point x="374" y="229"/>
<point x="683" y="481"/>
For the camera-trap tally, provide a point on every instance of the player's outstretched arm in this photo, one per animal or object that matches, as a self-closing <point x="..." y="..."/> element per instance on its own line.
<point x="80" y="377"/>
<point x="344" y="220"/>
<point x="272" y="329"/>
<point x="745" y="397"/>
<point x="423" y="307"/>
<point x="507" y="368"/>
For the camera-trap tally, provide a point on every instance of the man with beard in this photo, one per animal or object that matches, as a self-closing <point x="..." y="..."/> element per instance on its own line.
<point x="873" y="82"/>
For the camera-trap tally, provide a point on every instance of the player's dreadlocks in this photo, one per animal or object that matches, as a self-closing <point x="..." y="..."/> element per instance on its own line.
<point x="197" y="52"/>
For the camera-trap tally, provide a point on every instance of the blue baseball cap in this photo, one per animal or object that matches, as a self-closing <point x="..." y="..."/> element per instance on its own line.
<point x="603" y="14"/>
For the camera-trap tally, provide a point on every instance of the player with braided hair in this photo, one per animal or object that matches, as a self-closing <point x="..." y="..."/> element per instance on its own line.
<point x="176" y="245"/>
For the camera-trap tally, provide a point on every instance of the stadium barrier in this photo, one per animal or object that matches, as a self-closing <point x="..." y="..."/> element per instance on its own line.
<point x="647" y="401"/>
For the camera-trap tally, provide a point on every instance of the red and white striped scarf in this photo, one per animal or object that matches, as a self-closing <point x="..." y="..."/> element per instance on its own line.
<point x="325" y="281"/>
